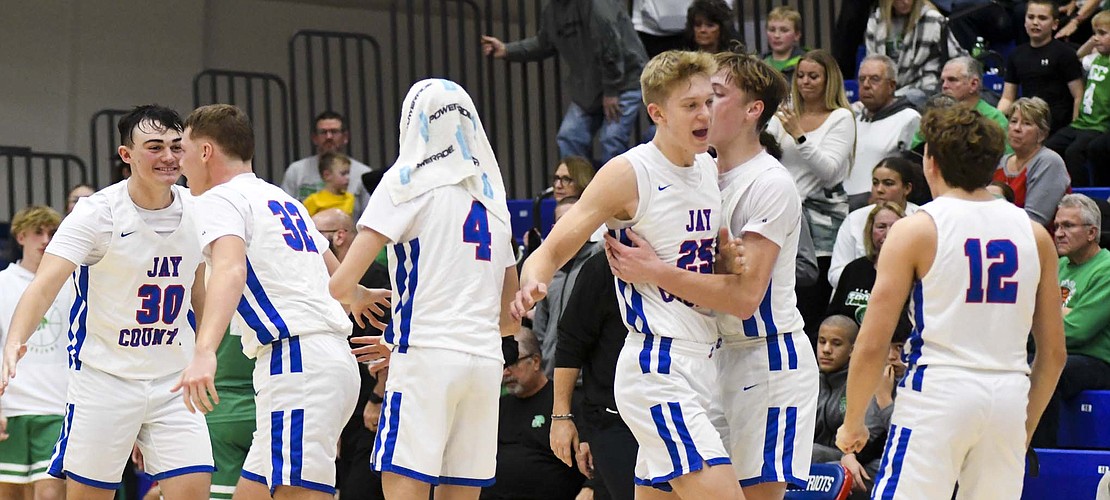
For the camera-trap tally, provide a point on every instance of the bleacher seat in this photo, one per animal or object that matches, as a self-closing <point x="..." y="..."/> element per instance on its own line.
<point x="1066" y="474"/>
<point x="826" y="482"/>
<point x="1085" y="421"/>
<point x="520" y="214"/>
<point x="851" y="88"/>
<point x="993" y="82"/>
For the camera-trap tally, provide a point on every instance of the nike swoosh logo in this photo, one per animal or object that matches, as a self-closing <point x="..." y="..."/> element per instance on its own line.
<point x="665" y="187"/>
<point x="124" y="235"/>
<point x="750" y="386"/>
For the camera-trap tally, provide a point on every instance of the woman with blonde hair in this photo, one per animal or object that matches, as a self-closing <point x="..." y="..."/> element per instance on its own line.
<point x="1037" y="174"/>
<point x="915" y="34"/>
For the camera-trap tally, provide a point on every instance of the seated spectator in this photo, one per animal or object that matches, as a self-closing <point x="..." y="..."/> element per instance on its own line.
<point x="891" y="182"/>
<point x="76" y="193"/>
<point x="917" y="147"/>
<point x="912" y="33"/>
<point x="864" y="466"/>
<point x="545" y="322"/>
<point x="817" y="134"/>
<point x="1036" y="174"/>
<point x="853" y="289"/>
<point x="1001" y="191"/>
<point x="526" y="467"/>
<point x="1072" y="142"/>
<point x="1085" y="285"/>
<point x="962" y="79"/>
<point x="784" y="35"/>
<point x="329" y="135"/>
<point x="659" y="24"/>
<point x="1044" y="67"/>
<point x="885" y="125"/>
<point x="335" y="170"/>
<point x="709" y="26"/>
<point x="571" y="177"/>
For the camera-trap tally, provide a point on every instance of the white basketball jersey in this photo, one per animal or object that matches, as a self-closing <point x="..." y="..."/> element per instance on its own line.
<point x="286" y="294"/>
<point x="132" y="316"/>
<point x="447" y="264"/>
<point x="974" y="308"/>
<point x="772" y="209"/>
<point x="679" y="215"/>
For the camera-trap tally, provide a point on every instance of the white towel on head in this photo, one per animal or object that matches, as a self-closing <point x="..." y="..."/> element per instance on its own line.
<point x="443" y="143"/>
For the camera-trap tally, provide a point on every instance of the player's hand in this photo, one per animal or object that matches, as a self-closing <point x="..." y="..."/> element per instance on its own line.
<point x="633" y="264"/>
<point x="13" y="352"/>
<point x="585" y="460"/>
<point x="587" y="493"/>
<point x="198" y="382"/>
<point x="492" y="46"/>
<point x="373" y="351"/>
<point x="137" y="458"/>
<point x="859" y="474"/>
<point x="530" y="292"/>
<point x="612" y="107"/>
<point x="371" y="414"/>
<point x="564" y="438"/>
<point x="369" y="304"/>
<point x="730" y="257"/>
<point x="850" y="439"/>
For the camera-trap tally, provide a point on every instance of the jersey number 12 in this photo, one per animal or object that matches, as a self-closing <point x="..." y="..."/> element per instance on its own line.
<point x="1004" y="255"/>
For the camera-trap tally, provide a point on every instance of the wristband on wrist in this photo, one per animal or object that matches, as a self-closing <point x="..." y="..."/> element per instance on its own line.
<point x="565" y="416"/>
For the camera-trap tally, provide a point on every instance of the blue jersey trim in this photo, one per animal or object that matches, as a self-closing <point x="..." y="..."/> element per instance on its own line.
<point x="692" y="455"/>
<point x="277" y="448"/>
<point x="104" y="485"/>
<point x="770" y="443"/>
<point x="665" y="355"/>
<point x="78" y="317"/>
<point x="296" y="446"/>
<point x="406" y="308"/>
<point x="57" y="461"/>
<point x="250" y="476"/>
<point x="181" y="471"/>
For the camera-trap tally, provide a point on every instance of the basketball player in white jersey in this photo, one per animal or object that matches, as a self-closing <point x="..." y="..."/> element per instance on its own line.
<point x="666" y="191"/>
<point x="980" y="276"/>
<point x="442" y="210"/>
<point x="766" y="371"/>
<point x="132" y="254"/>
<point x="269" y="268"/>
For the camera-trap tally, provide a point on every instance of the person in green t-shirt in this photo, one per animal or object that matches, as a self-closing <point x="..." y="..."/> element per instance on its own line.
<point x="1085" y="290"/>
<point x="784" y="33"/>
<point x="1072" y="142"/>
<point x="231" y="425"/>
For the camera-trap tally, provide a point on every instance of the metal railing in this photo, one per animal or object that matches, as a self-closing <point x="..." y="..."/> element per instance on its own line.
<point x="265" y="99"/>
<point x="32" y="177"/>
<point x="104" y="133"/>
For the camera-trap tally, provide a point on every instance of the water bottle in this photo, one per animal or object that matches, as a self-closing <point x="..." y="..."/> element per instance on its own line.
<point x="979" y="49"/>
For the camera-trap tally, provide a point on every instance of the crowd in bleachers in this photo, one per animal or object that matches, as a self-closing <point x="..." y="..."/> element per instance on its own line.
<point x="857" y="168"/>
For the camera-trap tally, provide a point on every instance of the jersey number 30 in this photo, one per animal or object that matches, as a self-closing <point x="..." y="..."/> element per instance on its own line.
<point x="476" y="231"/>
<point x="1004" y="255"/>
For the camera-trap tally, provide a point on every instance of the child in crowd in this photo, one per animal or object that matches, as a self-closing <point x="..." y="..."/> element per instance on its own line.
<point x="335" y="170"/>
<point x="784" y="34"/>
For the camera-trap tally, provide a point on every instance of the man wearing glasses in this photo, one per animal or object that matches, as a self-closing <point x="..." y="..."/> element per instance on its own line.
<point x="329" y="135"/>
<point x="1085" y="287"/>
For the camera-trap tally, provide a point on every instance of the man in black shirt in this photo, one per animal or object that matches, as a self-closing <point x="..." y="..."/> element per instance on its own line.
<point x="1045" y="67"/>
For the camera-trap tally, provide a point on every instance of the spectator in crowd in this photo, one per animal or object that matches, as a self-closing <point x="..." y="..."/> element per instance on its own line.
<point x="1036" y="174"/>
<point x="571" y="177"/>
<point x="591" y="334"/>
<point x="853" y="289"/>
<point x="76" y="193"/>
<point x="1085" y="286"/>
<point x="1044" y="67"/>
<point x="1079" y="11"/>
<point x="526" y="466"/>
<point x="962" y="79"/>
<point x="604" y="58"/>
<point x="1001" y="190"/>
<point x="784" y="36"/>
<point x="329" y="135"/>
<point x="971" y="19"/>
<point x="892" y="181"/>
<point x="917" y="147"/>
<point x="817" y="134"/>
<point x="885" y="125"/>
<point x="545" y="322"/>
<point x="709" y="26"/>
<point x="914" y="34"/>
<point x="659" y="24"/>
<point x="35" y="402"/>
<point x="335" y="170"/>
<point x="1072" y="141"/>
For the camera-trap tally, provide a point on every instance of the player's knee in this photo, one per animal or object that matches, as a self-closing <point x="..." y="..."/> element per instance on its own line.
<point x="50" y="489"/>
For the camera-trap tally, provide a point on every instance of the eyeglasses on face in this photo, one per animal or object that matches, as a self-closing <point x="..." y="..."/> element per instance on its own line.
<point x="563" y="179"/>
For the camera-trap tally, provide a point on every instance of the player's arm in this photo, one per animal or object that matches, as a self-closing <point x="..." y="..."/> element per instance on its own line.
<point x="1076" y="89"/>
<point x="52" y="273"/>
<point x="1009" y="94"/>
<point x="364" y="304"/>
<point x="1048" y="333"/>
<point x="612" y="193"/>
<point x="564" y="434"/>
<point x="198" y="293"/>
<point x="509" y="325"/>
<point x="901" y="258"/>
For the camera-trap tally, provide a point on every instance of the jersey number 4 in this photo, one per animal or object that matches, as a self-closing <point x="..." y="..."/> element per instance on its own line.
<point x="476" y="231"/>
<point x="296" y="231"/>
<point x="1004" y="255"/>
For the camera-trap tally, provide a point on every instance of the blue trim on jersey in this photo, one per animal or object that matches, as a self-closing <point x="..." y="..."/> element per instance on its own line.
<point x="405" y="280"/>
<point x="886" y="457"/>
<point x="916" y="341"/>
<point x="104" y="485"/>
<point x="765" y="311"/>
<point x="253" y="321"/>
<point x="634" y="305"/>
<point x="788" y="441"/>
<point x="275" y="358"/>
<point x="309" y="485"/>
<point x="78" y="317"/>
<point x="296" y="445"/>
<point x="774" y="355"/>
<point x="400" y="284"/>
<point x="751" y="327"/>
<point x="181" y="471"/>
<point x="402" y="471"/>
<point x="464" y="481"/>
<point x="665" y="355"/>
<point x="770" y="442"/>
<point x="192" y="318"/>
<point x="295" y="363"/>
<point x="645" y="354"/>
<point x="668" y="441"/>
<point x="250" y="476"/>
<point x="255" y="287"/>
<point x="692" y="455"/>
<point x="394" y="419"/>
<point x="277" y="461"/>
<point x="891" y="485"/>
<point x="791" y="353"/>
<point x="57" y="462"/>
<point x="406" y="308"/>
